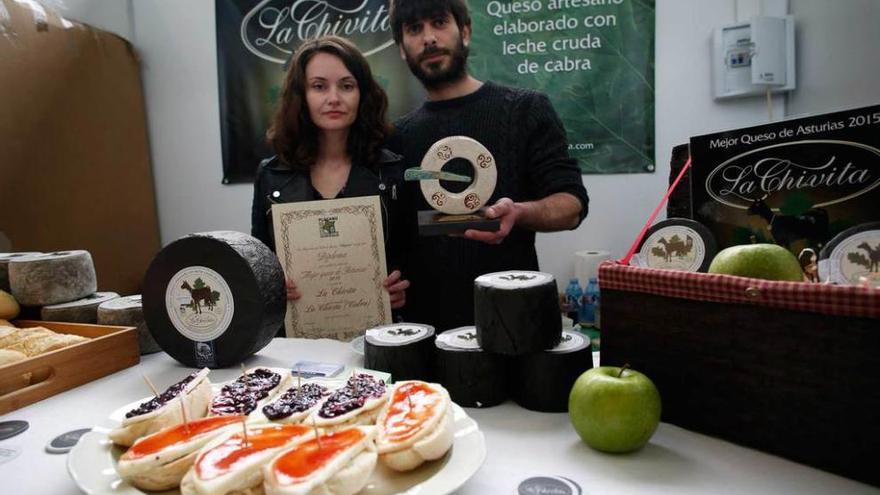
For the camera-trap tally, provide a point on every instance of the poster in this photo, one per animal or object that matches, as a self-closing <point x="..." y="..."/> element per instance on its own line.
<point x="796" y="183"/>
<point x="593" y="58"/>
<point x="596" y="64"/>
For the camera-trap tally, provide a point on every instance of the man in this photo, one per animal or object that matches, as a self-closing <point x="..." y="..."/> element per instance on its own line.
<point x="539" y="187"/>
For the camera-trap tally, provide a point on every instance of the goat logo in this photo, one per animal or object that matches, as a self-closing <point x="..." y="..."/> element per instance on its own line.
<point x="200" y="294"/>
<point x="810" y="226"/>
<point x="870" y="259"/>
<point x="675" y="246"/>
<point x="327" y="226"/>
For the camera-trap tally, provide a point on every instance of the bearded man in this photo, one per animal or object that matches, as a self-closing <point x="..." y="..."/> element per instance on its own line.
<point x="539" y="186"/>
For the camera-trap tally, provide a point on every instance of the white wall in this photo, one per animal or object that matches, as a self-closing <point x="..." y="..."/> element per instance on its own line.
<point x="839" y="43"/>
<point x="838" y="68"/>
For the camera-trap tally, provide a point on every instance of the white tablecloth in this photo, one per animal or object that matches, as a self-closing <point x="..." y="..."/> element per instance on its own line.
<point x="520" y="443"/>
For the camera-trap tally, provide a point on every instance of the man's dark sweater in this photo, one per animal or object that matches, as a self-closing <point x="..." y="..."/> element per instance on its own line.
<point x="522" y="131"/>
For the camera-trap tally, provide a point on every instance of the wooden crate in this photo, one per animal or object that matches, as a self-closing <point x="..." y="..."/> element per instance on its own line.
<point x="735" y="358"/>
<point x="108" y="350"/>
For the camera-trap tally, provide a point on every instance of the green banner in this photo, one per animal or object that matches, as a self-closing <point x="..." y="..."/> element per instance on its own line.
<point x="593" y="58"/>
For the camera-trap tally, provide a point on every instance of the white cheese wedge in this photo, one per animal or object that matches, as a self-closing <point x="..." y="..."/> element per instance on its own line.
<point x="415" y="425"/>
<point x="230" y="464"/>
<point x="220" y="405"/>
<point x="159" y="461"/>
<point x="195" y="396"/>
<point x="365" y="414"/>
<point x="306" y="469"/>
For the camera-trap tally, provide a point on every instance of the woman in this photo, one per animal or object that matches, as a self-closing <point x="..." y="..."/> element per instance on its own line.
<point x="328" y="135"/>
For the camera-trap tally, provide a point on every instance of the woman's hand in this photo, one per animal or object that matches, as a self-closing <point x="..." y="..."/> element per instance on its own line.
<point x="396" y="289"/>
<point x="292" y="293"/>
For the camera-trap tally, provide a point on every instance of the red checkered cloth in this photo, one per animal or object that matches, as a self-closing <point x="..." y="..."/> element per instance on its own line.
<point x="842" y="300"/>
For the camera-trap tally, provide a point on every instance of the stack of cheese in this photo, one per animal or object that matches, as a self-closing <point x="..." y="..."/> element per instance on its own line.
<point x="18" y="344"/>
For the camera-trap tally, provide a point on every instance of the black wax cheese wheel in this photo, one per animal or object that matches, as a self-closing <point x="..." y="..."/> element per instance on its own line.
<point x="677" y="244"/>
<point x="473" y="377"/>
<point x="213" y="299"/>
<point x="402" y="349"/>
<point x="52" y="278"/>
<point x="542" y="381"/>
<point x="516" y="312"/>
<point x="83" y="310"/>
<point x="128" y="312"/>
<point x="852" y="257"/>
<point x="4" y="266"/>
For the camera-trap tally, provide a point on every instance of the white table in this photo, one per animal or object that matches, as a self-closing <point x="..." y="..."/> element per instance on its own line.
<point x="520" y="443"/>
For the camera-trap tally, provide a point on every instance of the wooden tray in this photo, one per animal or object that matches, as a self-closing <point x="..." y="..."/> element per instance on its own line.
<point x="109" y="349"/>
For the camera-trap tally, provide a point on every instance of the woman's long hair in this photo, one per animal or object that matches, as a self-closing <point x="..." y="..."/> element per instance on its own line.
<point x="292" y="133"/>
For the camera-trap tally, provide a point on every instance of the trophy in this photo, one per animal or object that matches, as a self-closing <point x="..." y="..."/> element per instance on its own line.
<point x="455" y="212"/>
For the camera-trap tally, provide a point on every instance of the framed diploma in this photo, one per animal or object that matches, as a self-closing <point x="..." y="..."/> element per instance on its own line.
<point x="334" y="250"/>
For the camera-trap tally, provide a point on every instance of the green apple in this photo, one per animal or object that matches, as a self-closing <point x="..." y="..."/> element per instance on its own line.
<point x="614" y="409"/>
<point x="766" y="261"/>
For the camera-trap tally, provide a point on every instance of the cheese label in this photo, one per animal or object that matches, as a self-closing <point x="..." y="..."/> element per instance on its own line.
<point x="674" y="247"/>
<point x="463" y="338"/>
<point x="855" y="260"/>
<point x="514" y="279"/>
<point x="397" y="334"/>
<point x="199" y="303"/>
<point x="570" y="342"/>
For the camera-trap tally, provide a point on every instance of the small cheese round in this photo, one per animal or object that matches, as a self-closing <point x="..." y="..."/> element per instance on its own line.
<point x="52" y="278"/>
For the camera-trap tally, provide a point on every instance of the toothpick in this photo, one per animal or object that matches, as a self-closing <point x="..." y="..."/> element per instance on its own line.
<point x="298" y="379"/>
<point x="317" y="435"/>
<point x="244" y="426"/>
<point x="409" y="400"/>
<point x="243" y="373"/>
<point x="183" y="413"/>
<point x="150" y="384"/>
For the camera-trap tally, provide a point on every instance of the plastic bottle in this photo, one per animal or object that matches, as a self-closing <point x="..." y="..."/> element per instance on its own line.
<point x="573" y="296"/>
<point x="589" y="314"/>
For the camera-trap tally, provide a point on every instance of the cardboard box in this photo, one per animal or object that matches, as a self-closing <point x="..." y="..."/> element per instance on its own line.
<point x="74" y="158"/>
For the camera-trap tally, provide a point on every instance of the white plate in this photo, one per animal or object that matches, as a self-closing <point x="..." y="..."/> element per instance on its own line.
<point x="92" y="462"/>
<point x="357" y="345"/>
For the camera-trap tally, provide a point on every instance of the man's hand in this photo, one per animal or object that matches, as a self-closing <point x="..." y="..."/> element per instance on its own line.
<point x="558" y="211"/>
<point x="505" y="210"/>
<point x="396" y="289"/>
<point x="292" y="293"/>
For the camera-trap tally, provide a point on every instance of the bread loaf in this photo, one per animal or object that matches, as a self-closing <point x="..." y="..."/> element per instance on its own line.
<point x="14" y="382"/>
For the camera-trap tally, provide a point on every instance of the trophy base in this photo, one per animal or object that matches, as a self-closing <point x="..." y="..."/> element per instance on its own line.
<point x="435" y="223"/>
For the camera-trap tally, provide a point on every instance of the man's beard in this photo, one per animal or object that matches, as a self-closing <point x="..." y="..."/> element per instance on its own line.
<point x="436" y="78"/>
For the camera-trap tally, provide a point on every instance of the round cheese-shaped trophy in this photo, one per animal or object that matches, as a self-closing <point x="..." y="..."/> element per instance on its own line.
<point x="402" y="349"/>
<point x="677" y="244"/>
<point x="83" y="310"/>
<point x="477" y="194"/>
<point x="473" y="377"/>
<point x="128" y="311"/>
<point x="852" y="257"/>
<point x="52" y="278"/>
<point x="516" y="312"/>
<point x="543" y="380"/>
<point x="4" y="267"/>
<point x="214" y="298"/>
